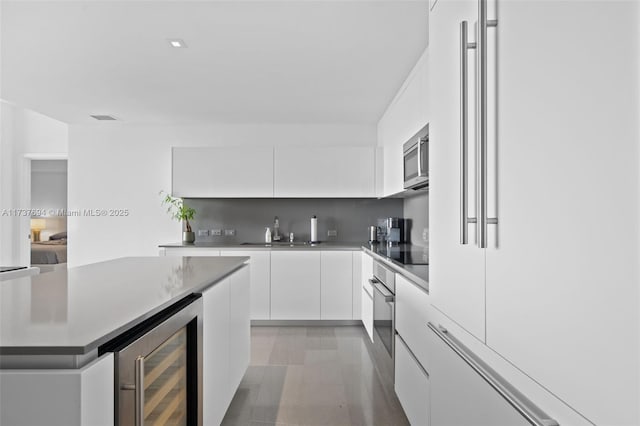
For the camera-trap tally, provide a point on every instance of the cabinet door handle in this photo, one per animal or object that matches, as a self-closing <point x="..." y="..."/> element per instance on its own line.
<point x="481" y="153"/>
<point x="517" y="400"/>
<point x="139" y="391"/>
<point x="464" y="134"/>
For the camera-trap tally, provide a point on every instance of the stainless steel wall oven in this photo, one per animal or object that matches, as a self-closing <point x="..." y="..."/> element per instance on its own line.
<point x="384" y="286"/>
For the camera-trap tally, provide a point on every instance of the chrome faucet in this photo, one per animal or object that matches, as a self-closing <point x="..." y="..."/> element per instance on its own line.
<point x="276" y="229"/>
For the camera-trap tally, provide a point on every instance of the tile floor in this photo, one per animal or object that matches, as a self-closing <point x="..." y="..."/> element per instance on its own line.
<point x="313" y="376"/>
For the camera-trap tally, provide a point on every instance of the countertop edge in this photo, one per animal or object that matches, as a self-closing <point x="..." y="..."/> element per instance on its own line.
<point x="80" y="351"/>
<point x="399" y="268"/>
<point x="347" y="246"/>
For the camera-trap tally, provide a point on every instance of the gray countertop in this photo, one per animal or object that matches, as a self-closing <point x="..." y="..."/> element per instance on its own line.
<point x="72" y="312"/>
<point x="419" y="274"/>
<point x="416" y="273"/>
<point x="325" y="245"/>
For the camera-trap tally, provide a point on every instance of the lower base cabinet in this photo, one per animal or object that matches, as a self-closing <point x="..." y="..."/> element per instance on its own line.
<point x="460" y="396"/>
<point x="336" y="282"/>
<point x="59" y="397"/>
<point x="260" y="265"/>
<point x="295" y="285"/>
<point x="367" y="311"/>
<point x="412" y="385"/>
<point x="226" y="343"/>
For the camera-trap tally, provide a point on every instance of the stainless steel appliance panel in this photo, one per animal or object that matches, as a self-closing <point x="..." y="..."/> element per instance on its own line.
<point x="158" y="369"/>
<point x="384" y="316"/>
<point x="416" y="160"/>
<point x="385" y="275"/>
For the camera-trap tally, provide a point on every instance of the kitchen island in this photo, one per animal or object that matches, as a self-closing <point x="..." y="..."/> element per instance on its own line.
<point x="53" y="327"/>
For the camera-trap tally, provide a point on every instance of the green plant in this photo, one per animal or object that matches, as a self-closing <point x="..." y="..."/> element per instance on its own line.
<point x="178" y="209"/>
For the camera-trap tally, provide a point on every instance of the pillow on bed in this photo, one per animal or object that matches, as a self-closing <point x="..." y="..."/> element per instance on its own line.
<point x="58" y="236"/>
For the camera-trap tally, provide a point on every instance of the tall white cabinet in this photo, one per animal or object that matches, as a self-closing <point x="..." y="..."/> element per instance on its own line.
<point x="555" y="293"/>
<point x="461" y="295"/>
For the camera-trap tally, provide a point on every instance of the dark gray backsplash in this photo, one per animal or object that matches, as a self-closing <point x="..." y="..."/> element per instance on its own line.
<point x="416" y="208"/>
<point x="249" y="217"/>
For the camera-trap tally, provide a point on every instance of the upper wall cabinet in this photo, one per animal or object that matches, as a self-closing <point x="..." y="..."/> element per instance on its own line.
<point x="343" y="171"/>
<point x="405" y="116"/>
<point x="222" y="172"/>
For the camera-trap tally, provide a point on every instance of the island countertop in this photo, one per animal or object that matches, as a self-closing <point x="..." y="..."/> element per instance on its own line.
<point x="72" y="312"/>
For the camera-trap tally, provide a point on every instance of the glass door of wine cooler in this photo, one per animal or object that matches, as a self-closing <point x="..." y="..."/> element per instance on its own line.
<point x="159" y="369"/>
<point x="165" y="382"/>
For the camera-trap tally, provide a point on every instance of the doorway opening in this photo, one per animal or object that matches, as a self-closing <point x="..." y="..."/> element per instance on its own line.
<point x="49" y="222"/>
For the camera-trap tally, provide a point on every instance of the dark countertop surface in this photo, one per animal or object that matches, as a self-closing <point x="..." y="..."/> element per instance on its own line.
<point x="419" y="274"/>
<point x="72" y="312"/>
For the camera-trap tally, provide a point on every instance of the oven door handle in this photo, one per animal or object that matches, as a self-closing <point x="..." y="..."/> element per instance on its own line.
<point x="388" y="296"/>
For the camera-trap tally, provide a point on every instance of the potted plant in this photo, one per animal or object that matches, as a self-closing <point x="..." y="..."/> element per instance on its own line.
<point x="182" y="213"/>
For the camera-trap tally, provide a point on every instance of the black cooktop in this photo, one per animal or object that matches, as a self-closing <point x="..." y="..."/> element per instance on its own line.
<point x="11" y="268"/>
<point x="406" y="254"/>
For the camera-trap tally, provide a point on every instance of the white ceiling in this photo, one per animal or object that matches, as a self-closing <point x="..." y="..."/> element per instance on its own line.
<point x="246" y="62"/>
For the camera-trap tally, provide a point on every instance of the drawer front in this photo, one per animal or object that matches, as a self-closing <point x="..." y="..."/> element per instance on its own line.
<point x="367" y="313"/>
<point x="412" y="315"/>
<point x="411" y="385"/>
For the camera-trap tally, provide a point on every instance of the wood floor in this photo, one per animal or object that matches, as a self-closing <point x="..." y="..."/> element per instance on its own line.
<point x="313" y="376"/>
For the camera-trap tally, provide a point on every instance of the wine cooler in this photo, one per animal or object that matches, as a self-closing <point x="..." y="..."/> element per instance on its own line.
<point x="158" y="368"/>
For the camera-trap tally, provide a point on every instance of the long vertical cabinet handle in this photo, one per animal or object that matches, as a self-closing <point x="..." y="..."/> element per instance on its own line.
<point x="483" y="219"/>
<point x="464" y="134"/>
<point x="139" y="394"/>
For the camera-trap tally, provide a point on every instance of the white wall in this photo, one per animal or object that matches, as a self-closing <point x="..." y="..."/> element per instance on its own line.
<point x="22" y="132"/>
<point x="49" y="184"/>
<point x="120" y="166"/>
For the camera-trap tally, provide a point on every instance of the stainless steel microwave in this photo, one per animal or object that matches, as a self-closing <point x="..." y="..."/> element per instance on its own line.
<point x="416" y="160"/>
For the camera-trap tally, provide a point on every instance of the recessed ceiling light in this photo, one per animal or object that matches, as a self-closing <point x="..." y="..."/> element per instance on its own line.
<point x="104" y="117"/>
<point x="176" y="42"/>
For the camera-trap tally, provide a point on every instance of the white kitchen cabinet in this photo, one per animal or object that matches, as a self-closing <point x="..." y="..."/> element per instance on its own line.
<point x="367" y="310"/>
<point x="456" y="284"/>
<point x="342" y="171"/>
<point x="366" y="292"/>
<point x="356" y="284"/>
<point x="260" y="266"/>
<point x="239" y="326"/>
<point x="225" y="345"/>
<point x="412" y="307"/>
<point x="336" y="285"/>
<point x="404" y="117"/>
<point x="411" y="384"/>
<point x="215" y="366"/>
<point x="211" y="172"/>
<point x="561" y="266"/>
<point x="59" y="397"/>
<point x="295" y="285"/>
<point x="460" y="396"/>
<point x="188" y="251"/>
<point x="562" y="282"/>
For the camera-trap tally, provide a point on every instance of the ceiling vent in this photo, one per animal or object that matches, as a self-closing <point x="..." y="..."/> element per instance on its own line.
<point x="104" y="117"/>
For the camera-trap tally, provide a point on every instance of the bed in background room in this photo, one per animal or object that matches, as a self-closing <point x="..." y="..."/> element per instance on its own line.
<point x="50" y="255"/>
